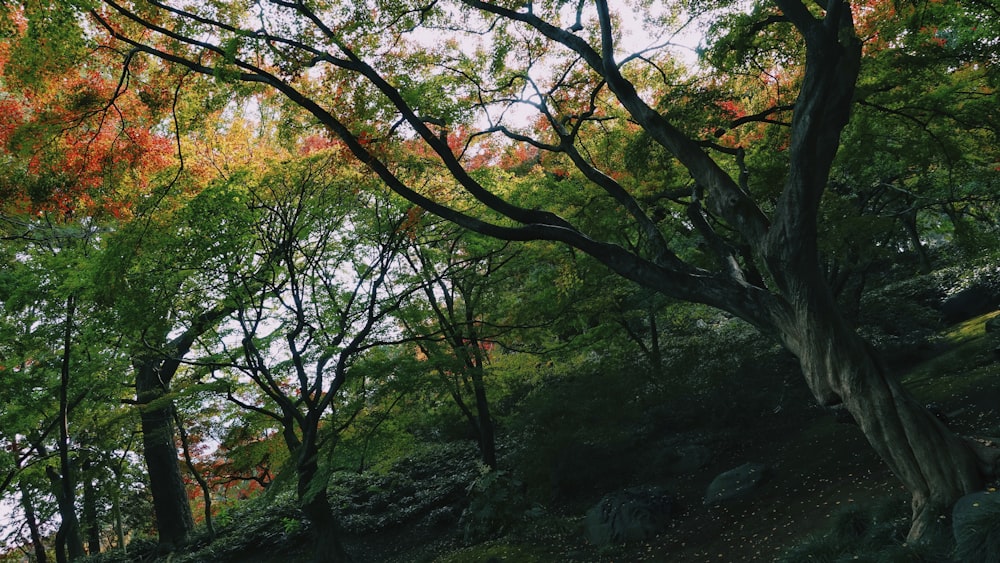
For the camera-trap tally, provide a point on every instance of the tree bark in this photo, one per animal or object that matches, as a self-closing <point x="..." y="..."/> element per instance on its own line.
<point x="206" y="491"/>
<point x="325" y="529"/>
<point x="174" y="521"/>
<point x="936" y="466"/>
<point x="484" y="420"/>
<point x="909" y="220"/>
<point x="92" y="527"/>
<point x="69" y="529"/>
<point x="32" y="520"/>
<point x="69" y="546"/>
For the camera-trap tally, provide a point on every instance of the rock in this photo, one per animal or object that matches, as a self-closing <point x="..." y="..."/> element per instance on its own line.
<point x="738" y="482"/>
<point x="633" y="514"/>
<point x="976" y="525"/>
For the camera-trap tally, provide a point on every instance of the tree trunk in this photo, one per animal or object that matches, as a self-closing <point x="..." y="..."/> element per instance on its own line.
<point x="92" y="527"/>
<point x="935" y="465"/>
<point x="32" y="520"/>
<point x="909" y="220"/>
<point x="484" y="421"/>
<point x="65" y="483"/>
<point x="174" y="521"/>
<point x="69" y="545"/>
<point x="325" y="529"/>
<point x="206" y="491"/>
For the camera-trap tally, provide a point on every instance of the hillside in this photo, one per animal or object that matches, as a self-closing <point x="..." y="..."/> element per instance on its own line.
<point x="827" y="498"/>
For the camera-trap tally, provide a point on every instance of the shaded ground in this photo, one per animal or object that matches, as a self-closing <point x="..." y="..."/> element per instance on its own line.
<point x="821" y="467"/>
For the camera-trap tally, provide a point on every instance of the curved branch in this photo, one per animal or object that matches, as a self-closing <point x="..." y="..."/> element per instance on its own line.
<point x="727" y="199"/>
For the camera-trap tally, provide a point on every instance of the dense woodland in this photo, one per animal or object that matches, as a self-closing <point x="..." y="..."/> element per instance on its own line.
<point x="455" y="280"/>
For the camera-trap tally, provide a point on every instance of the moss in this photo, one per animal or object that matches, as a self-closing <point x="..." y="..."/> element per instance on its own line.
<point x="970" y="329"/>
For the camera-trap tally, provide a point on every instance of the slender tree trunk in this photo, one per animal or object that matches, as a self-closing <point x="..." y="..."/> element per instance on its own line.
<point x="70" y="527"/>
<point x="32" y="520"/>
<point x="910" y="223"/>
<point x="92" y="528"/>
<point x="655" y="354"/>
<point x="484" y="420"/>
<point x="116" y="514"/>
<point x="174" y="521"/>
<point x="69" y="546"/>
<point x="206" y="492"/>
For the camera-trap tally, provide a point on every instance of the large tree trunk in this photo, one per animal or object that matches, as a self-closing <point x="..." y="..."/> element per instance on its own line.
<point x="935" y="465"/>
<point x="174" y="521"/>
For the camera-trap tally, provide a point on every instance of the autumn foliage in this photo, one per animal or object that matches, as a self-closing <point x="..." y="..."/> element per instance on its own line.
<point x="77" y="142"/>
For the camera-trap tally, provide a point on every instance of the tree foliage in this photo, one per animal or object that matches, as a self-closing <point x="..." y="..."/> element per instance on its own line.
<point x="234" y="212"/>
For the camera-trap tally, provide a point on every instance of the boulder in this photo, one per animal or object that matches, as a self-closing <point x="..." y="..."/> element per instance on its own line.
<point x="633" y="514"/>
<point x="975" y="521"/>
<point x="737" y="482"/>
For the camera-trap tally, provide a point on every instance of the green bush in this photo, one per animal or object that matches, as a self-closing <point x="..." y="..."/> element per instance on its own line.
<point x="497" y="504"/>
<point x="420" y="487"/>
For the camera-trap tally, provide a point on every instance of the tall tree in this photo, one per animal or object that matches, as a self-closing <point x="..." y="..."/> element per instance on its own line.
<point x="303" y="323"/>
<point x="156" y="278"/>
<point x="45" y="308"/>
<point x="454" y="274"/>
<point x="364" y="69"/>
<point x="78" y="151"/>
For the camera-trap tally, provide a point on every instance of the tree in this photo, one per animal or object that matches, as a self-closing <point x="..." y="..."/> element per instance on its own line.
<point x="156" y="277"/>
<point x="454" y="274"/>
<point x="920" y="151"/>
<point x="163" y="311"/>
<point x="299" y="327"/>
<point x="61" y="353"/>
<point x="364" y="70"/>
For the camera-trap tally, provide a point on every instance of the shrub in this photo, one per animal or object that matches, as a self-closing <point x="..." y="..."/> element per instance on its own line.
<point x="497" y="504"/>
